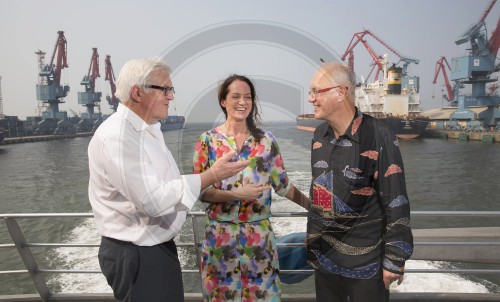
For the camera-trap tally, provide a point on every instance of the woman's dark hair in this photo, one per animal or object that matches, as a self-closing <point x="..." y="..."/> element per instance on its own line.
<point x="253" y="118"/>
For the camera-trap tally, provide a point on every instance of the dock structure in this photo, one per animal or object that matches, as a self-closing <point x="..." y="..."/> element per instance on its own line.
<point x="475" y="136"/>
<point x="41" y="138"/>
<point x="470" y="245"/>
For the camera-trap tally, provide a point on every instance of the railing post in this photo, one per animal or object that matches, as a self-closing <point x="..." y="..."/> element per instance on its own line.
<point x="29" y="261"/>
<point x="198" y="250"/>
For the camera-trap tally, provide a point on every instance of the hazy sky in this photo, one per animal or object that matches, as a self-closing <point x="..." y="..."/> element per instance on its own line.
<point x="423" y="29"/>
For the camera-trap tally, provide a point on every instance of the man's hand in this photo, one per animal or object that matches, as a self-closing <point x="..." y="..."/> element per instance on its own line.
<point x="250" y="191"/>
<point x="224" y="168"/>
<point x="391" y="277"/>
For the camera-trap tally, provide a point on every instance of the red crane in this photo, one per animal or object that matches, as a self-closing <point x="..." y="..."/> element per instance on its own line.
<point x="61" y="62"/>
<point x="90" y="98"/>
<point x="50" y="91"/>
<point x="360" y="37"/>
<point x="93" y="72"/>
<point x="440" y="66"/>
<point x="379" y="70"/>
<point x="110" y="76"/>
<point x="494" y="42"/>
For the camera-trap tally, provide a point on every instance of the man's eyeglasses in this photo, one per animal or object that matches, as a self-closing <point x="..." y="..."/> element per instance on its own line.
<point x="166" y="89"/>
<point x="313" y="92"/>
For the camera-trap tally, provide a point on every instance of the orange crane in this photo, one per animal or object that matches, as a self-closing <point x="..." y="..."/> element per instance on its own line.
<point x="110" y="76"/>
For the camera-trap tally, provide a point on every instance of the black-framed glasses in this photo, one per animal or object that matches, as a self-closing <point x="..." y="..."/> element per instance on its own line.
<point x="313" y="92"/>
<point x="165" y="89"/>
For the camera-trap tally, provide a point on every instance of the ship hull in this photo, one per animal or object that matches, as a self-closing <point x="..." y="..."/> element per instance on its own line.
<point x="172" y="122"/>
<point x="402" y="128"/>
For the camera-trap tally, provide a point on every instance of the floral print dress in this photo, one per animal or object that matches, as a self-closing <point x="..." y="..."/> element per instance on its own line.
<point x="239" y="253"/>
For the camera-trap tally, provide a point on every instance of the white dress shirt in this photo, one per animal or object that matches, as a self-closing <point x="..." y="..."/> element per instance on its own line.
<point x="136" y="190"/>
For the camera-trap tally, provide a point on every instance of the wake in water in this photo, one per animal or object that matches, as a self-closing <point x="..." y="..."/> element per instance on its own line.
<point x="86" y="258"/>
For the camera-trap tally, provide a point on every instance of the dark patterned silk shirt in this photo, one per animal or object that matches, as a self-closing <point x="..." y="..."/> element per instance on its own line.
<point x="359" y="219"/>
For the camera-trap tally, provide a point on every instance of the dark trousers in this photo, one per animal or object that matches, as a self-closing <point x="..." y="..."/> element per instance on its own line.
<point x="141" y="273"/>
<point x="336" y="288"/>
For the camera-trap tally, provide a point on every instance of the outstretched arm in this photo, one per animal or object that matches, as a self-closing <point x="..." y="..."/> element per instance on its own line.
<point x="245" y="192"/>
<point x="296" y="196"/>
<point x="222" y="169"/>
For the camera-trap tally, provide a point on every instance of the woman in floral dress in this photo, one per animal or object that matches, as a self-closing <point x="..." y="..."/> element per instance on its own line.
<point x="239" y="254"/>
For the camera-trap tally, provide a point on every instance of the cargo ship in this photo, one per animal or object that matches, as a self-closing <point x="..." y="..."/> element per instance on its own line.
<point x="395" y="99"/>
<point x="172" y="122"/>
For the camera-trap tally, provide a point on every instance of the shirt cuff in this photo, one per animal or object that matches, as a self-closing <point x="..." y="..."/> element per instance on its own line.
<point x="283" y="191"/>
<point x="192" y="187"/>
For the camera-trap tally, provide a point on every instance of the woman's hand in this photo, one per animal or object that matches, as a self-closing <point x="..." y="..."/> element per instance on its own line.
<point x="250" y="191"/>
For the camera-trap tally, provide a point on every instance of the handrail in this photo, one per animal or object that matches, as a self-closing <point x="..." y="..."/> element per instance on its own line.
<point x="24" y="248"/>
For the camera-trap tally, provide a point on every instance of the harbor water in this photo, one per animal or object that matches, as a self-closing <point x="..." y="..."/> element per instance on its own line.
<point x="52" y="176"/>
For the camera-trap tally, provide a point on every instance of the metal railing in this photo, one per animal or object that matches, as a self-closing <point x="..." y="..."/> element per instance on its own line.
<point x="24" y="249"/>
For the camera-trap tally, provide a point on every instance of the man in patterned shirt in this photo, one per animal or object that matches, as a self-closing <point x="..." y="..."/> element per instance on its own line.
<point x="358" y="229"/>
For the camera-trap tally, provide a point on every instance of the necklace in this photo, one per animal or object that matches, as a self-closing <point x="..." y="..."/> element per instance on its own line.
<point x="239" y="139"/>
<point x="226" y="130"/>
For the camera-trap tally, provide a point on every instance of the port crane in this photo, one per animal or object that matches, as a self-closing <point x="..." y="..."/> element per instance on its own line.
<point x="452" y="93"/>
<point x="90" y="98"/>
<point x="476" y="69"/>
<point x="359" y="37"/>
<point x="410" y="84"/>
<point x="51" y="92"/>
<point x="110" y="76"/>
<point x="377" y="60"/>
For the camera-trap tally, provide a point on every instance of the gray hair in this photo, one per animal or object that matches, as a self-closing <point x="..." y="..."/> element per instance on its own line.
<point x="342" y="75"/>
<point x="138" y="72"/>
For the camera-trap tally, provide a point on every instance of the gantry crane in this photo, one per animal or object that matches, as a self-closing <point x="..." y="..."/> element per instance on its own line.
<point x="90" y="98"/>
<point x="452" y="93"/>
<point x="110" y="76"/>
<point x="51" y="92"/>
<point x="476" y="69"/>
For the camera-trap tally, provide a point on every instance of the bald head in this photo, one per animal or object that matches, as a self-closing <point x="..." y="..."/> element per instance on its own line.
<point x="339" y="74"/>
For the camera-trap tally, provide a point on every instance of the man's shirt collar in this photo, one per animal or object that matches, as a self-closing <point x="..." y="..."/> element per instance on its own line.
<point x="351" y="132"/>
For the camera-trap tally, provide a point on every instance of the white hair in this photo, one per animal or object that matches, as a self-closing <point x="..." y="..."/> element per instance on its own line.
<point x="138" y="72"/>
